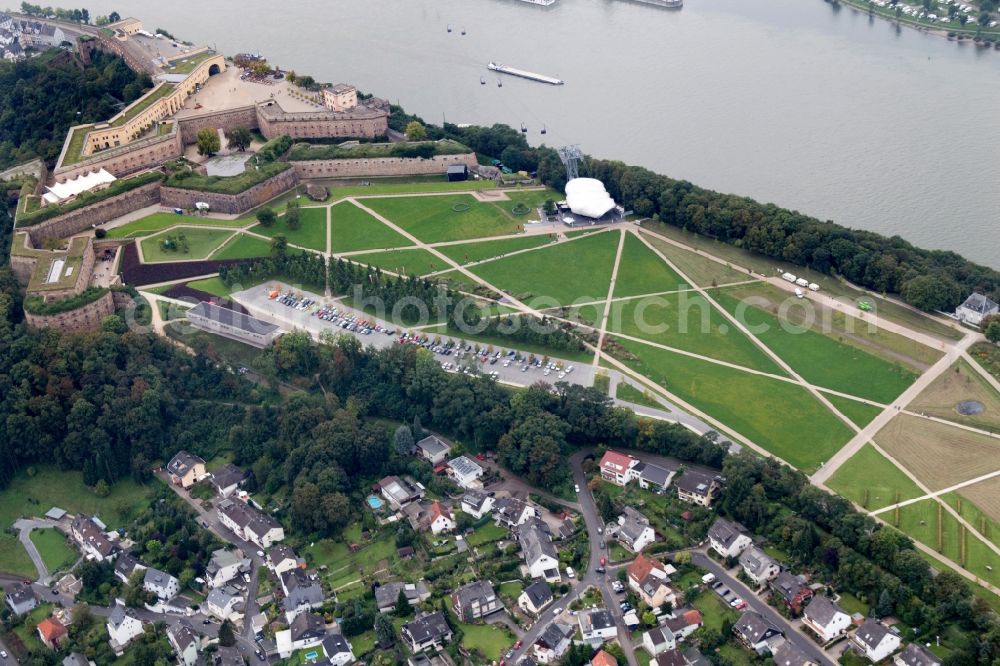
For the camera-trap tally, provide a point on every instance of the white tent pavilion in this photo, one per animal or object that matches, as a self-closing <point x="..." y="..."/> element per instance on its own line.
<point x="587" y="197"/>
<point x="62" y="191"/>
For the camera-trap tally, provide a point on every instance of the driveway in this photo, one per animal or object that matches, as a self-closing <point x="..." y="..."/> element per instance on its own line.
<point x="24" y="526"/>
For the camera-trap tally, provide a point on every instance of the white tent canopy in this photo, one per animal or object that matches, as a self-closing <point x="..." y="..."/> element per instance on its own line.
<point x="587" y="197"/>
<point x="71" y="188"/>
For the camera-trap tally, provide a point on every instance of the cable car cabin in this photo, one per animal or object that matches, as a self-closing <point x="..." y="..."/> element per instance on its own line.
<point x="457" y="172"/>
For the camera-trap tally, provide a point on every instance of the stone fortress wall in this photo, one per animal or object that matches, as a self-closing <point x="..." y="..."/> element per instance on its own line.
<point x="84" y="318"/>
<point x="381" y="166"/>
<point x="234" y="204"/>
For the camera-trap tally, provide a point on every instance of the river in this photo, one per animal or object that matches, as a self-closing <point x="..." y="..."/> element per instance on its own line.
<point x="810" y="106"/>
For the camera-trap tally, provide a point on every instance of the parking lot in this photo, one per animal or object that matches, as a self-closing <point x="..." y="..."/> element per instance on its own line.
<point x="291" y="308"/>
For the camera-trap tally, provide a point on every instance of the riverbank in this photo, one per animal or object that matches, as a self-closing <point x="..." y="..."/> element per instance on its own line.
<point x="953" y="31"/>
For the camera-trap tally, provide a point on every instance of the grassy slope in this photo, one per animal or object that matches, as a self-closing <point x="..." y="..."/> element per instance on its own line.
<point x="640" y="271"/>
<point x="868" y="471"/>
<point x="311" y="232"/>
<point x="353" y="229"/>
<point x="200" y="243"/>
<point x="431" y="219"/>
<point x="160" y="221"/>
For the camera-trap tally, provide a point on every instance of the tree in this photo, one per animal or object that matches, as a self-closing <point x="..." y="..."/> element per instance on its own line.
<point x="239" y="138"/>
<point x="403" y="440"/>
<point x="114" y="17"/>
<point x="279" y="245"/>
<point x="931" y="292"/>
<point x="266" y="217"/>
<point x="403" y="607"/>
<point x="292" y="215"/>
<point x="113" y="324"/>
<point x="227" y="638"/>
<point x="260" y="68"/>
<point x="993" y="330"/>
<point x="384" y="631"/>
<point x="101" y="489"/>
<point x="415" y="131"/>
<point x="208" y="141"/>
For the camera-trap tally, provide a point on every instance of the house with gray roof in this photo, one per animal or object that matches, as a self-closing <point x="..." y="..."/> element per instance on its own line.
<point x="337" y="650"/>
<point x="185" y="641"/>
<point x="475" y="600"/>
<point x="552" y="643"/>
<point x="466" y="472"/>
<point x="429" y="630"/>
<point x="653" y="477"/>
<point x="757" y="632"/>
<point x="759" y="566"/>
<point x="658" y="639"/>
<point x="400" y="491"/>
<point x="913" y="654"/>
<point x="535" y="597"/>
<point x="228" y="479"/>
<point x="282" y="558"/>
<point x="387" y="594"/>
<point x="728" y="538"/>
<point x="787" y="654"/>
<point x="127" y="564"/>
<point x="826" y="619"/>
<point x="597" y="625"/>
<point x="21" y="598"/>
<point x="634" y="532"/>
<point x="874" y="640"/>
<point x="975" y="308"/>
<point x="225" y="565"/>
<point x="303" y="592"/>
<point x="248" y="523"/>
<point x="228" y="323"/>
<point x="227" y="656"/>
<point x="433" y="449"/>
<point x="538" y="551"/>
<point x="123" y="627"/>
<point x="225" y="603"/>
<point x="186" y="469"/>
<point x="90" y="537"/>
<point x="697" y="488"/>
<point x="160" y="583"/>
<point x="477" y="503"/>
<point x="76" y="659"/>
<point x="792" y="590"/>
<point x="511" y="512"/>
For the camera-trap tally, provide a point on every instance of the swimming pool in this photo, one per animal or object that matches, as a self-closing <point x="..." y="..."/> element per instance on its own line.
<point x="375" y="502"/>
<point x="312" y="655"/>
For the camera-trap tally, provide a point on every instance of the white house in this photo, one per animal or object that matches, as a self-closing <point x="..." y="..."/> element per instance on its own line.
<point x="552" y="643"/>
<point x="186" y="469"/>
<point x="477" y="503"/>
<point x="511" y="512"/>
<point x="228" y="479"/>
<point x="186" y="643"/>
<point x="535" y="597"/>
<point x="225" y="603"/>
<point x="635" y="532"/>
<point x="617" y="467"/>
<point x="915" y="654"/>
<point x="433" y="450"/>
<point x="759" y="566"/>
<point x="337" y="649"/>
<point x="697" y="488"/>
<point x="648" y="578"/>
<point x="976" y="308"/>
<point x="728" y="538"/>
<point x="305" y="631"/>
<point x="466" y="472"/>
<point x="875" y="640"/>
<point x="440" y="518"/>
<point x="826" y="619"/>
<point x="123" y="627"/>
<point x="597" y="625"/>
<point x="430" y="630"/>
<point x="658" y="639"/>
<point x="757" y="632"/>
<point x="539" y="553"/>
<point x="282" y="558"/>
<point x="90" y="535"/>
<point x="160" y="583"/>
<point x="249" y="523"/>
<point x="224" y="566"/>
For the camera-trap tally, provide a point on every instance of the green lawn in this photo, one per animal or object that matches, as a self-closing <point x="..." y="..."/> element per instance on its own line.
<point x="353" y="229"/>
<point x="26" y="630"/>
<point x="14" y="559"/>
<point x="781" y="417"/>
<point x="363" y="643"/>
<point x="974" y="515"/>
<point x="559" y="274"/>
<point x="852" y="604"/>
<point x="212" y="285"/>
<point x="714" y="611"/>
<point x="640" y="271"/>
<point x="821" y="359"/>
<point x="478" y="251"/>
<point x="687" y="321"/>
<point x="51" y="545"/>
<point x="243" y="246"/>
<point x="486" y="534"/>
<point x="871" y="481"/>
<point x="402" y="185"/>
<point x="511" y="589"/>
<point x="629" y="393"/>
<point x="405" y="262"/>
<point x="200" y="243"/>
<point x="432" y="218"/>
<point x="160" y="221"/>
<point x="859" y="412"/>
<point x="311" y="232"/>
<point x="344" y="566"/>
<point x="701" y="270"/>
<point x="490" y="639"/>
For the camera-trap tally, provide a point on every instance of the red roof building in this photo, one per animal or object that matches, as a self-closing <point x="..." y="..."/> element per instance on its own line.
<point x="52" y="632"/>
<point x="602" y="658"/>
<point x="616" y="467"/>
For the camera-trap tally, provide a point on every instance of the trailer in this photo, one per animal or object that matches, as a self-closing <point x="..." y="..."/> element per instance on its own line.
<point x="802" y="282"/>
<point x="813" y="286"/>
<point x="788" y="276"/>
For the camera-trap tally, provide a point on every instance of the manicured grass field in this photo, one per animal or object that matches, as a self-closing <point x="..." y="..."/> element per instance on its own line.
<point x="353" y="229"/>
<point x="243" y="246"/>
<point x="51" y="545"/>
<point x="486" y="534"/>
<point x="344" y="566"/>
<point x="490" y="639"/>
<point x="939" y="455"/>
<point x="820" y="359"/>
<point x="869" y="480"/>
<point x="629" y="393"/>
<point x="170" y="311"/>
<point x="778" y="416"/>
<point x="212" y="285"/>
<point x="14" y="559"/>
<point x="687" y="321"/>
<point x="986" y="525"/>
<point x="640" y="271"/>
<point x="960" y="383"/>
<point x="160" y="221"/>
<point x="200" y="243"/>
<point x="432" y="219"/>
<point x="986" y="496"/>
<point x="859" y="412"/>
<point x="404" y="262"/>
<point x="714" y="611"/>
<point x="559" y="274"/>
<point x="469" y="252"/>
<point x="311" y="232"/>
<point x="404" y="185"/>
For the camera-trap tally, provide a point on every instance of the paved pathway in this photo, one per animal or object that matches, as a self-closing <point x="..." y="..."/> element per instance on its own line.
<point x="937" y="493"/>
<point x="602" y="330"/>
<point x="24" y="526"/>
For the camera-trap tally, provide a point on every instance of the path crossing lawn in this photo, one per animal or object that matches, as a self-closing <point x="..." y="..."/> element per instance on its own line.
<point x="629" y="393"/>
<point x="469" y="252"/>
<point x="687" y="321"/>
<point x="311" y="232"/>
<point x="871" y="481"/>
<point x="860" y="413"/>
<point x="404" y="262"/>
<point x="960" y="382"/>
<point x="779" y="416"/>
<point x="200" y="243"/>
<point x="51" y="545"/>
<point x="703" y="271"/>
<point x="344" y="566"/>
<point x="820" y="359"/>
<point x="404" y="185"/>
<point x="160" y="221"/>
<point x="243" y="246"/>
<point x="490" y="639"/>
<point x="642" y="272"/>
<point x="353" y="229"/>
<point x="558" y="274"/>
<point x="974" y="515"/>
<point x="432" y="219"/>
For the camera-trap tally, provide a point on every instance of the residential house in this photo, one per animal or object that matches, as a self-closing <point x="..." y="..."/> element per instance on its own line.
<point x="224" y="566"/>
<point x="683" y="624"/>
<point x="539" y="553"/>
<point x="602" y="658"/>
<point x="250" y="524"/>
<point x="475" y="600"/>
<point x="227" y="656"/>
<point x="826" y="619"/>
<point x="914" y="654"/>
<point x="439" y="518"/>
<point x="617" y="467"/>
<point x="160" y="583"/>
<point x="697" y="488"/>
<point x="89" y="535"/>
<point x="387" y="594"/>
<point x="127" y="564"/>
<point x="433" y="450"/>
<point x="69" y="585"/>
<point x="186" y="469"/>
<point x="875" y="640"/>
<point x="305" y="631"/>
<point x="477" y="503"/>
<point x="303" y="592"/>
<point x="228" y="479"/>
<point x="466" y="472"/>
<point x="728" y="538"/>
<point x="694" y="657"/>
<point x="648" y="578"/>
<point x="635" y="532"/>
<point x="185" y="641"/>
<point x="787" y="654"/>
<point x="976" y="308"/>
<point x="429" y="630"/>
<point x="52" y="633"/>
<point x="759" y="566"/>
<point x="337" y="650"/>
<point x="399" y="492"/>
<point x="77" y="659"/>
<point x="123" y="627"/>
<point x="597" y="625"/>
<point x="792" y="591"/>
<point x="535" y="597"/>
<point x="653" y="477"/>
<point x="282" y="558"/>
<point x="511" y="512"/>
<point x="669" y="658"/>
<point x="21" y="598"/>
<point x="225" y="603"/>
<point x="757" y="632"/>
<point x="552" y="643"/>
<point x="657" y="640"/>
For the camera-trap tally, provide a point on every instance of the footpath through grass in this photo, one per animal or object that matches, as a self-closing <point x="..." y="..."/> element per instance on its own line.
<point x="160" y="221"/>
<point x="871" y="481"/>
<point x="416" y="261"/>
<point x="860" y="413"/>
<point x="467" y="253"/>
<point x="311" y="232"/>
<point x="353" y="229"/>
<point x="182" y="243"/>
<point x="640" y="271"/>
<point x="433" y="219"/>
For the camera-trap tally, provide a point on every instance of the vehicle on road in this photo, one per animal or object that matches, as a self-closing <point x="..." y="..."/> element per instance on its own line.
<point x="518" y="644"/>
<point x="570" y="573"/>
<point x="557" y="610"/>
<point x="576" y="488"/>
<point x="600" y="570"/>
<point x="708" y="578"/>
<point x="3" y="654"/>
<point x="603" y="544"/>
<point x="509" y="655"/>
<point x="260" y="553"/>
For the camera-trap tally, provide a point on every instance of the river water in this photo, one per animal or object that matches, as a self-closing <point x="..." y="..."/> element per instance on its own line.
<point x="812" y="107"/>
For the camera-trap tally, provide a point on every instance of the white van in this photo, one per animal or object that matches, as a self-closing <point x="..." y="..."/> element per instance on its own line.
<point x="570" y="573"/>
<point x="708" y="578"/>
<point x="799" y="293"/>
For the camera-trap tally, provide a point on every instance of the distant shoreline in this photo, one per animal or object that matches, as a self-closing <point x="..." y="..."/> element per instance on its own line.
<point x="988" y="38"/>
